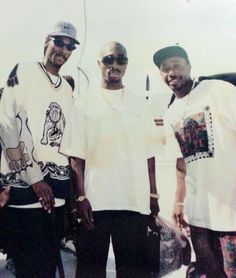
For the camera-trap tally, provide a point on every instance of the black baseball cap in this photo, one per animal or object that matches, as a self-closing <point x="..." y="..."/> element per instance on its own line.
<point x="168" y="52"/>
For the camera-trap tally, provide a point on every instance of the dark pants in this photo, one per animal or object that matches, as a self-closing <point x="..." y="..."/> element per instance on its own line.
<point x="127" y="231"/>
<point x="215" y="252"/>
<point x="32" y="239"/>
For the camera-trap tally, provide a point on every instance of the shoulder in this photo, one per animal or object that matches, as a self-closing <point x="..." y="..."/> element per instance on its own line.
<point x="216" y="85"/>
<point x="81" y="103"/>
<point x="218" y="89"/>
<point x="13" y="78"/>
<point x="135" y="102"/>
<point x="136" y="97"/>
<point x="70" y="81"/>
<point x="19" y="72"/>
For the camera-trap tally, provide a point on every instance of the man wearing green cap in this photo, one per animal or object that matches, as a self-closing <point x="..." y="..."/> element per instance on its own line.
<point x="200" y="132"/>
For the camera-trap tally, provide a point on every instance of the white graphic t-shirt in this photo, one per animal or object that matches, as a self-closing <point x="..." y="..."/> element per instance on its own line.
<point x="201" y="127"/>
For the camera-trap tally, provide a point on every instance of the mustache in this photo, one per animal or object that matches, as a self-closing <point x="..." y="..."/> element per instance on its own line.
<point x="60" y="55"/>
<point x="114" y="70"/>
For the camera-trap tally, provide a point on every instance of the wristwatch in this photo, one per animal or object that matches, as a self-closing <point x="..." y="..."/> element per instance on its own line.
<point x="80" y="198"/>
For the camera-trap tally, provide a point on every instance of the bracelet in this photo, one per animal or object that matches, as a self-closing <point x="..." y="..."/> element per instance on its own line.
<point x="155" y="195"/>
<point x="179" y="204"/>
<point x="80" y="198"/>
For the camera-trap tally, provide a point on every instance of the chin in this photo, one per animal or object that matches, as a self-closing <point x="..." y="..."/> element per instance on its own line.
<point x="113" y="81"/>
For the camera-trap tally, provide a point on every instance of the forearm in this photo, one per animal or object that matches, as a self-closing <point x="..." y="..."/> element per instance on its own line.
<point x="154" y="196"/>
<point x="78" y="167"/>
<point x="180" y="181"/>
<point x="152" y="175"/>
<point x="84" y="209"/>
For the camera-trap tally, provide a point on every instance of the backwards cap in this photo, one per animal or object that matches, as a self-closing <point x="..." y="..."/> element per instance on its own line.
<point x="168" y="52"/>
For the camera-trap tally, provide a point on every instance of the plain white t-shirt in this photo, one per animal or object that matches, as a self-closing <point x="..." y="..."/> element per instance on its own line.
<point x="115" y="139"/>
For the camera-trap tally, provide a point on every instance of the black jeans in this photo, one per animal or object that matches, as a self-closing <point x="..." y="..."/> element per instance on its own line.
<point x="127" y="231"/>
<point x="32" y="238"/>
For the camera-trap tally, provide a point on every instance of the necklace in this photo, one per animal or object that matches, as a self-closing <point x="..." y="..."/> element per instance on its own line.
<point x="109" y="103"/>
<point x="53" y="79"/>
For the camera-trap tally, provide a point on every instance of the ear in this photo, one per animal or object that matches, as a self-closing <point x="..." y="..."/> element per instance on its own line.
<point x="189" y="67"/>
<point x="99" y="62"/>
<point x="47" y="40"/>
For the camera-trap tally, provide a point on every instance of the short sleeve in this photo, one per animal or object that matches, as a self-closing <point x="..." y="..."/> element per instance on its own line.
<point x="74" y="137"/>
<point x="154" y="135"/>
<point x="172" y="147"/>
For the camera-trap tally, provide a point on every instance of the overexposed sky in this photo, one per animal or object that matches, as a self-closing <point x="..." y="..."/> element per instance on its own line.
<point x="205" y="28"/>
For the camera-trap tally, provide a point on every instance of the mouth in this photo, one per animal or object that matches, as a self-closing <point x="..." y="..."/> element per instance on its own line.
<point x="60" y="57"/>
<point x="114" y="74"/>
<point x="173" y="81"/>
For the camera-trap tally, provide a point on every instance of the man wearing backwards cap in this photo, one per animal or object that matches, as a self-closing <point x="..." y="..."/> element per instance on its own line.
<point x="200" y="132"/>
<point x="34" y="108"/>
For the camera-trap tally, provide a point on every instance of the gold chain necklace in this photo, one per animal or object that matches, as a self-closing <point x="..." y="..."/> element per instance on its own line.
<point x="110" y="105"/>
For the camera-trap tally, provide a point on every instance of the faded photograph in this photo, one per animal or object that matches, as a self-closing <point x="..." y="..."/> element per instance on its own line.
<point x="117" y="139"/>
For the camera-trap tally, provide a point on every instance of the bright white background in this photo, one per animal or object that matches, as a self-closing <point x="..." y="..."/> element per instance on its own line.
<point x="205" y="28"/>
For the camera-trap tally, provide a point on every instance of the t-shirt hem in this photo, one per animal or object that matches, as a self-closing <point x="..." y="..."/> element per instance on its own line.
<point x="213" y="228"/>
<point x="70" y="153"/>
<point x="142" y="211"/>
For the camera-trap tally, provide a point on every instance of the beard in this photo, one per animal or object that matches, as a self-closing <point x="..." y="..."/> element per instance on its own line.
<point x="113" y="81"/>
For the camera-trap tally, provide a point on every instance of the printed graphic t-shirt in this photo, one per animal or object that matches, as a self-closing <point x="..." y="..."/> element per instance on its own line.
<point x="201" y="127"/>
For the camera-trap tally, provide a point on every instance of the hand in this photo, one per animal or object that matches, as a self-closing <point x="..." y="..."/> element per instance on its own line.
<point x="4" y="196"/>
<point x="154" y="206"/>
<point x="45" y="195"/>
<point x="178" y="217"/>
<point x="84" y="211"/>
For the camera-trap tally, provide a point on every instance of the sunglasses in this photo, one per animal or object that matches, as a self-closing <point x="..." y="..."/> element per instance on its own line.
<point x="110" y="59"/>
<point x="60" y="43"/>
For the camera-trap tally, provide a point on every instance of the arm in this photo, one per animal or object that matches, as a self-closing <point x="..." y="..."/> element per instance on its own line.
<point x="84" y="208"/>
<point x="154" y="206"/>
<point x="4" y="196"/>
<point x="180" y="192"/>
<point x="16" y="139"/>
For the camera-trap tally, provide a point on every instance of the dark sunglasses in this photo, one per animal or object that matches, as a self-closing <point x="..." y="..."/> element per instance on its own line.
<point x="110" y="59"/>
<point x="60" y="43"/>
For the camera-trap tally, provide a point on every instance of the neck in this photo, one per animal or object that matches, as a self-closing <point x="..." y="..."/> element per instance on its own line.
<point x="50" y="67"/>
<point x="184" y="90"/>
<point x="111" y="86"/>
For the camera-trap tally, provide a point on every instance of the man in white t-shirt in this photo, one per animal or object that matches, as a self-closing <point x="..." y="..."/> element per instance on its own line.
<point x="112" y="141"/>
<point x="34" y="106"/>
<point x="200" y="132"/>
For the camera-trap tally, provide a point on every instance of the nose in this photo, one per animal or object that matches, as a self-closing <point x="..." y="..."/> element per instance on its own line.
<point x="64" y="49"/>
<point x="172" y="72"/>
<point x="114" y="64"/>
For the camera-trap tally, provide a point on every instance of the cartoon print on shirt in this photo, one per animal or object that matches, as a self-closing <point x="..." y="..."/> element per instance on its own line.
<point x="18" y="158"/>
<point x="195" y="136"/>
<point x="53" y="126"/>
<point x="13" y="78"/>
